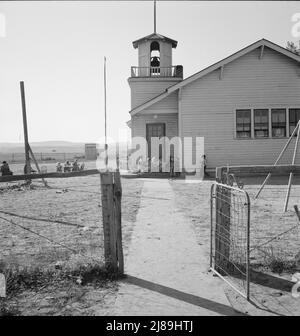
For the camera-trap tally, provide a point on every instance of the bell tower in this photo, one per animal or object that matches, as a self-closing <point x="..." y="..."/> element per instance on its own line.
<point x="155" y="71"/>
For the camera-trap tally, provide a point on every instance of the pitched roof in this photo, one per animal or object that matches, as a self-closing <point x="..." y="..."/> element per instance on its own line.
<point x="213" y="67"/>
<point x="154" y="36"/>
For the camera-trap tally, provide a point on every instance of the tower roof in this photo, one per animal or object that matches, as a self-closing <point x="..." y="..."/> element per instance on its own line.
<point x="155" y="37"/>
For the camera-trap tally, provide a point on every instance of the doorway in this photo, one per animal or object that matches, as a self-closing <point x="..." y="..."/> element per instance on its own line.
<point x="155" y="130"/>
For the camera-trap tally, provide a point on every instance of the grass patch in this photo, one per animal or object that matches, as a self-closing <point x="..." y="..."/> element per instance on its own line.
<point x="275" y="263"/>
<point x="34" y="278"/>
<point x="279" y="265"/>
<point x="63" y="289"/>
<point x="7" y="309"/>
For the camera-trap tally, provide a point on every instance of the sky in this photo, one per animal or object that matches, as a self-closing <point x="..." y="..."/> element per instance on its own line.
<point x="57" y="49"/>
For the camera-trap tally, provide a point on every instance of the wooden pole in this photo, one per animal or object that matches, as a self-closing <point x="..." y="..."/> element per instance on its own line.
<point x="14" y="178"/>
<point x="118" y="156"/>
<point x="27" y="157"/>
<point x="297" y="212"/>
<point x="105" y="117"/>
<point x="154" y="16"/>
<point x="276" y="162"/>
<point x="110" y="247"/>
<point x="219" y="172"/>
<point x="111" y="192"/>
<point x="118" y="221"/>
<point x="286" y="202"/>
<point x="127" y="156"/>
<point x="37" y="165"/>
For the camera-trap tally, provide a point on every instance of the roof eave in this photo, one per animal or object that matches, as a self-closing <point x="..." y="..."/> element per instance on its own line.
<point x="203" y="72"/>
<point x="149" y="37"/>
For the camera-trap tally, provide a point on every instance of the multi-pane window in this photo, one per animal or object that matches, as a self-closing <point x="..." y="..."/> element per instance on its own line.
<point x="294" y="117"/>
<point x="243" y="123"/>
<point x="278" y="123"/>
<point x="261" y="123"/>
<point x="266" y="122"/>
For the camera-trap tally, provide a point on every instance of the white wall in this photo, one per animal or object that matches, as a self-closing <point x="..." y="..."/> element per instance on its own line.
<point x="208" y="105"/>
<point x="144" y="89"/>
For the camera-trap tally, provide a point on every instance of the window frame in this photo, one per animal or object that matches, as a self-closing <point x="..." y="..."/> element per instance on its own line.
<point x="285" y="122"/>
<point x="288" y="112"/>
<point x="287" y="109"/>
<point x="267" y="110"/>
<point x="236" y="124"/>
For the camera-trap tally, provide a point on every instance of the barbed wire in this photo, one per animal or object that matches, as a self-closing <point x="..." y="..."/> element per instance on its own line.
<point x="47" y="238"/>
<point x="37" y="234"/>
<point x="41" y="219"/>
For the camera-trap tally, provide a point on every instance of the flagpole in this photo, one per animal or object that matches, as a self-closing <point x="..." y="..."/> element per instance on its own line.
<point x="105" y="116"/>
<point x="154" y="16"/>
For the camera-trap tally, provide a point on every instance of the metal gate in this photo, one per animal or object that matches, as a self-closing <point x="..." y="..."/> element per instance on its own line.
<point x="230" y="236"/>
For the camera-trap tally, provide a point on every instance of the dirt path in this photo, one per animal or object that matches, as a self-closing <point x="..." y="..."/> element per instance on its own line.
<point x="167" y="270"/>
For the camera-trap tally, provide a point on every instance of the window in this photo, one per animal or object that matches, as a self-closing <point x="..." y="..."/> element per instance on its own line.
<point x="278" y="123"/>
<point x="243" y="124"/>
<point x="261" y="123"/>
<point x="294" y="117"/>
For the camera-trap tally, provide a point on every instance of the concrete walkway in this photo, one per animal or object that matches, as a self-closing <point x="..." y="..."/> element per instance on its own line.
<point x="166" y="268"/>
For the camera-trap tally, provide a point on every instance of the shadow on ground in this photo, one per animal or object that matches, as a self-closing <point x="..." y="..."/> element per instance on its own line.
<point x="182" y="296"/>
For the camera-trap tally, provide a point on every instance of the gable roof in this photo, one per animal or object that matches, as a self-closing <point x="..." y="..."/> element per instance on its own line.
<point x="155" y="36"/>
<point x="215" y="66"/>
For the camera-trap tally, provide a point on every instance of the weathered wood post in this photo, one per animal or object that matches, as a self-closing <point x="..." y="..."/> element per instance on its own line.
<point x="111" y="194"/>
<point x="110" y="253"/>
<point x="118" y="220"/>
<point x="27" y="157"/>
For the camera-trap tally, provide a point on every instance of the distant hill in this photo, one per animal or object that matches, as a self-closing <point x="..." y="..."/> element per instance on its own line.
<point x="48" y="147"/>
<point x="44" y="146"/>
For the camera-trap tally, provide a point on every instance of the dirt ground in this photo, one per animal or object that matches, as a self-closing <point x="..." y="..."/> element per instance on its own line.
<point x="76" y="204"/>
<point x="77" y="201"/>
<point x="271" y="286"/>
<point x="267" y="218"/>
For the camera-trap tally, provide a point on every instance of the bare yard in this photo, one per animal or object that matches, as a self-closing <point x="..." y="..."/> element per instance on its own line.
<point x="66" y="235"/>
<point x="274" y="240"/>
<point x="268" y="223"/>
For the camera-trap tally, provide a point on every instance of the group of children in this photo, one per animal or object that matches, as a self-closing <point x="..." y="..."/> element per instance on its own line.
<point x="69" y="167"/>
<point x="157" y="165"/>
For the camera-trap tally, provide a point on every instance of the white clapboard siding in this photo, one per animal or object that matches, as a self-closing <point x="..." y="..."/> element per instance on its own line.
<point x="166" y="105"/>
<point x="208" y="105"/>
<point x="144" y="89"/>
<point x="139" y="124"/>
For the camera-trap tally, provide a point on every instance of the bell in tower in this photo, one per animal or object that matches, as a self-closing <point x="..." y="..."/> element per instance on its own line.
<point x="155" y="70"/>
<point x="155" y="56"/>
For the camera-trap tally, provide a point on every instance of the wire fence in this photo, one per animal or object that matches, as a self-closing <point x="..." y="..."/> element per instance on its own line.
<point x="43" y="227"/>
<point x="244" y="250"/>
<point x="52" y="244"/>
<point x="230" y="229"/>
<point x="275" y="234"/>
<point x="42" y="157"/>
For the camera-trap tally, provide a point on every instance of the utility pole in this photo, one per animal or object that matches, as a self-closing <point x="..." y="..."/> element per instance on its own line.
<point x="27" y="149"/>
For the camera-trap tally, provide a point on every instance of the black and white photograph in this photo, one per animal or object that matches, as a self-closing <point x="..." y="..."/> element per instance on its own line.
<point x="149" y="161"/>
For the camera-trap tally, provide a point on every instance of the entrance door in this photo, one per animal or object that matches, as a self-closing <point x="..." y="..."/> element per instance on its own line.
<point x="155" y="130"/>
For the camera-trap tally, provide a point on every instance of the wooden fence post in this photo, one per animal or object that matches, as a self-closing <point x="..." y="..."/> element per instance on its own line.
<point x="111" y="194"/>
<point x="118" y="221"/>
<point x="107" y="196"/>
